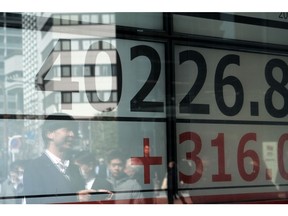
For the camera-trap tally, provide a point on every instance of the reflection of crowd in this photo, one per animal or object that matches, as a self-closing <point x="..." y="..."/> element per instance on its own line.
<point x="11" y="190"/>
<point x="60" y="176"/>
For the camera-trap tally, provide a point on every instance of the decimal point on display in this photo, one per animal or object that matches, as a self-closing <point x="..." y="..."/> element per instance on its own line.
<point x="254" y="108"/>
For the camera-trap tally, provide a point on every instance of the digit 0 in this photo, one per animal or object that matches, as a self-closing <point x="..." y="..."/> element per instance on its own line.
<point x="91" y="54"/>
<point x="281" y="161"/>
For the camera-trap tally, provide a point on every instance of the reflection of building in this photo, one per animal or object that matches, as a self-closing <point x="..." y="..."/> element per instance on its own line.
<point x="13" y="95"/>
<point x="62" y="56"/>
<point x="83" y="78"/>
<point x="10" y="68"/>
<point x="14" y="88"/>
<point x="30" y="63"/>
<point x="80" y="79"/>
<point x="31" y="101"/>
<point x="10" y="63"/>
<point x="10" y="36"/>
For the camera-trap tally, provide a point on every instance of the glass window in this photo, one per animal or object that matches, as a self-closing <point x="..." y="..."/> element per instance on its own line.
<point x="56" y="71"/>
<point x="77" y="71"/>
<point x="66" y="97"/>
<point x="187" y="82"/>
<point x="106" y="95"/>
<point x="94" y="18"/>
<point x="95" y="97"/>
<point x="57" y="46"/>
<point x="75" y="45"/>
<point x="89" y="97"/>
<point x="88" y="71"/>
<point x="76" y="97"/>
<point x="66" y="45"/>
<point x="98" y="70"/>
<point x="106" y="19"/>
<point x="85" y="18"/>
<point x="114" y="96"/>
<point x="106" y="70"/>
<point x="66" y="71"/>
<point x="95" y="45"/>
<point x="74" y="19"/>
<point x="86" y="44"/>
<point x="65" y="19"/>
<point x="107" y="45"/>
<point x="140" y="20"/>
<point x="114" y="69"/>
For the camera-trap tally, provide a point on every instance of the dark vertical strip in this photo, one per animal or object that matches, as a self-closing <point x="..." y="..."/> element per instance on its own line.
<point x="170" y="110"/>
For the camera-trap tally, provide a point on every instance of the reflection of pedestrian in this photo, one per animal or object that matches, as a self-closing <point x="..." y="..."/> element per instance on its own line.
<point x="97" y="184"/>
<point x="51" y="178"/>
<point x="172" y="191"/>
<point x="12" y="187"/>
<point x="134" y="172"/>
<point x="127" y="189"/>
<point x="101" y="169"/>
<point x="169" y="183"/>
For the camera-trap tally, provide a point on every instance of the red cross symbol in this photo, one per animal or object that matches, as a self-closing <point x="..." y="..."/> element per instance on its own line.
<point x="146" y="161"/>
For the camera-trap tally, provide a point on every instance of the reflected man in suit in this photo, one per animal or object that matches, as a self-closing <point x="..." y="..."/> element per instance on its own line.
<point x="52" y="177"/>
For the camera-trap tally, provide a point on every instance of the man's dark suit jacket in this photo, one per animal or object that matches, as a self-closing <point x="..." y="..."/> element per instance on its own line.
<point x="44" y="183"/>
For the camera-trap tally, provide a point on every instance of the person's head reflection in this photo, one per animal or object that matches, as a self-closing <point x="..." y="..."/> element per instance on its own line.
<point x="58" y="132"/>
